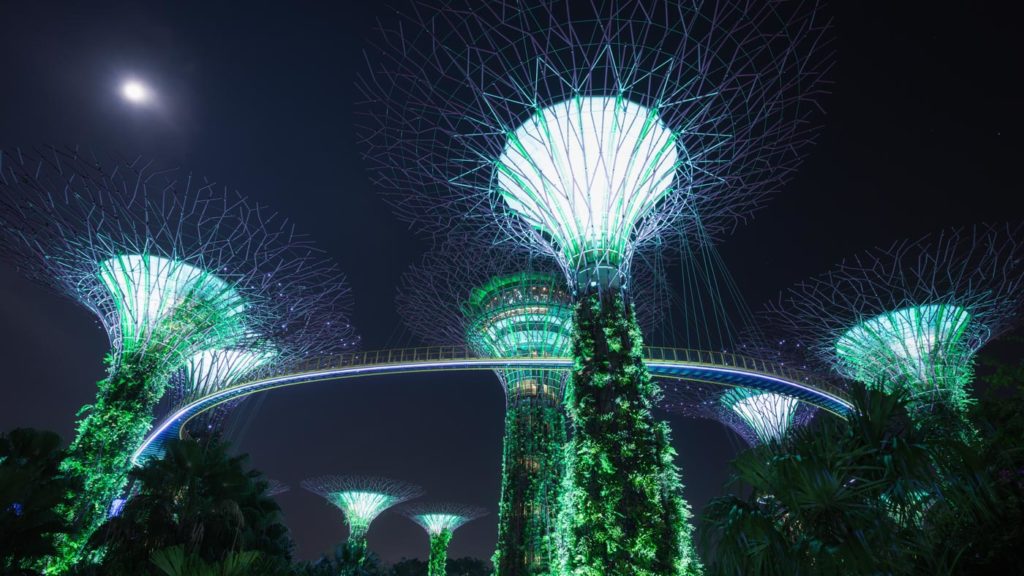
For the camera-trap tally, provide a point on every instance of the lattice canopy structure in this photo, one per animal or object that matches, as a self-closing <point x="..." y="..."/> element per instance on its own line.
<point x="361" y="499"/>
<point x="588" y="131"/>
<point x="440" y="517"/>
<point x="756" y="416"/>
<point x="913" y="314"/>
<point x="175" y="270"/>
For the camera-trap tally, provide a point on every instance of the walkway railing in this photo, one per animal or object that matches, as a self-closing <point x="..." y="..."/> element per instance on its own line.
<point x="463" y="353"/>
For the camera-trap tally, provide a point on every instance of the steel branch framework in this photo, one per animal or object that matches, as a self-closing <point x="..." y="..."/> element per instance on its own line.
<point x="590" y="130"/>
<point x="913" y="314"/>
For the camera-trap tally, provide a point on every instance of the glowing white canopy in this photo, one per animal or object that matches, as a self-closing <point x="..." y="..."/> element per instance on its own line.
<point x="770" y="415"/>
<point x="155" y="294"/>
<point x="210" y="370"/>
<point x="585" y="172"/>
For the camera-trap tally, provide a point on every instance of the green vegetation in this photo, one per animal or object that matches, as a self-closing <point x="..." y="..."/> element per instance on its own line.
<point x="881" y="493"/>
<point x="622" y="505"/>
<point x="31" y="490"/>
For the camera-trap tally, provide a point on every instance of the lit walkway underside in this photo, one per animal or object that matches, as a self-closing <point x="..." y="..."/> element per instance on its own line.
<point x="664" y="363"/>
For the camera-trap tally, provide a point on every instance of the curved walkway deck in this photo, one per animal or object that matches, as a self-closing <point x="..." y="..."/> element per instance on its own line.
<point x="710" y="367"/>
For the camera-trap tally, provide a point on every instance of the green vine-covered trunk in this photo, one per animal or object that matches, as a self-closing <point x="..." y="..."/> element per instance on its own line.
<point x="623" y="513"/>
<point x="532" y="466"/>
<point x="439" y="553"/>
<point x="355" y="548"/>
<point x="100" y="455"/>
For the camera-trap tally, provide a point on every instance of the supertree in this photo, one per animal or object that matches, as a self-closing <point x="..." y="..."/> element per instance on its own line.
<point x="589" y="132"/>
<point x="174" y="270"/>
<point x="361" y="499"/>
<point x="913" y="315"/>
<point x="441" y="520"/>
<point x="503" y="305"/>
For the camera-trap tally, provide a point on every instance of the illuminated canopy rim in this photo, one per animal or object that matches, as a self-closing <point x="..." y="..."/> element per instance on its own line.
<point x="585" y="171"/>
<point x="925" y="347"/>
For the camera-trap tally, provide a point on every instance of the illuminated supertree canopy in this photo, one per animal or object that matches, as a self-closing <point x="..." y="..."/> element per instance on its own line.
<point x="589" y="132"/>
<point x="177" y="272"/>
<point x="913" y="314"/>
<point x="361" y="499"/>
<point x="498" y="303"/>
<point x="441" y="520"/>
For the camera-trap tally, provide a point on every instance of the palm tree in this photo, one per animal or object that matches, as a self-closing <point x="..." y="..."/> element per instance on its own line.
<point x="199" y="498"/>
<point x="854" y="497"/>
<point x="31" y="488"/>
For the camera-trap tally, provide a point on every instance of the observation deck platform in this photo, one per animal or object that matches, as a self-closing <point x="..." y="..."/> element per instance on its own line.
<point x="720" y="368"/>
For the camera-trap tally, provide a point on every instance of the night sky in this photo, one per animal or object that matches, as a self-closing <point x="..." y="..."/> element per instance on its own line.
<point x="923" y="131"/>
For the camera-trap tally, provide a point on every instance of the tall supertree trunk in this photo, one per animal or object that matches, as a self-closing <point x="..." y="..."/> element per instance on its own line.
<point x="100" y="456"/>
<point x="622" y="507"/>
<point x="532" y="472"/>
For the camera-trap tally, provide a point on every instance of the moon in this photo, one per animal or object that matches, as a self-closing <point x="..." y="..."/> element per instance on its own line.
<point x="136" y="92"/>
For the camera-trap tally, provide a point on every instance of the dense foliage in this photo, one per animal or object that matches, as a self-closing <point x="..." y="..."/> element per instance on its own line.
<point x="31" y="490"/>
<point x="531" y="475"/>
<point x="200" y="499"/>
<point x="622" y="507"/>
<point x="881" y="493"/>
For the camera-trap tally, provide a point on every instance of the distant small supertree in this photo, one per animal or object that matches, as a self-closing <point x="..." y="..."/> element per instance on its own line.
<point x="361" y="499"/>
<point x="914" y="314"/>
<point x="176" y="271"/>
<point x="441" y="520"/>
<point x="756" y="416"/>
<point x="591" y="132"/>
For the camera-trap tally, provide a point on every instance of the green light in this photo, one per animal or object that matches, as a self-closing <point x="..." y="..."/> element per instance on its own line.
<point x="770" y="415"/>
<point x="169" y="304"/>
<point x="437" y="523"/>
<point x="585" y="172"/>
<point x="361" y="509"/>
<point x="922" y="347"/>
<point x="527" y="314"/>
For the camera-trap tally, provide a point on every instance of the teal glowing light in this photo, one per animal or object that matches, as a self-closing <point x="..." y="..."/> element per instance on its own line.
<point x="584" y="172"/>
<point x="922" y="347"/>
<point x="768" y="414"/>
<point x="362" y="508"/>
<point x="210" y="370"/>
<point x="169" y="305"/>
<point x="437" y="523"/>
<point x="522" y="315"/>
